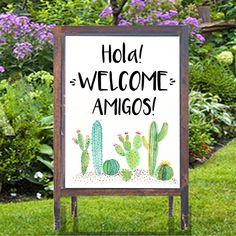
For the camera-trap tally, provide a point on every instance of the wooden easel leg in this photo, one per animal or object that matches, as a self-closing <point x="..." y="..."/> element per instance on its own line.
<point x="171" y="209"/>
<point x="57" y="214"/>
<point x="184" y="208"/>
<point x="74" y="207"/>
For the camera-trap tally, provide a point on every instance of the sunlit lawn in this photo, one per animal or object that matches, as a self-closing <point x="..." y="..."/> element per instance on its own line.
<point x="212" y="208"/>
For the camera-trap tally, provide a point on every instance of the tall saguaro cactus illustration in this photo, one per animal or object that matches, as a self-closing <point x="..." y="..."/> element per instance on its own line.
<point x="152" y="145"/>
<point x="131" y="154"/>
<point x="97" y="147"/>
<point x="84" y="147"/>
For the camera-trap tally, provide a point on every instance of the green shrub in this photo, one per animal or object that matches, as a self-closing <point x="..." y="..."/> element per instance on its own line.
<point x="23" y="105"/>
<point x="18" y="6"/>
<point x="210" y="76"/>
<point x="200" y="140"/>
<point x="41" y="171"/>
<point x="71" y="12"/>
<point x="209" y="120"/>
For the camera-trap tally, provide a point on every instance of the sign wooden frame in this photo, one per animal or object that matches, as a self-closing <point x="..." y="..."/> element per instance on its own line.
<point x="59" y="89"/>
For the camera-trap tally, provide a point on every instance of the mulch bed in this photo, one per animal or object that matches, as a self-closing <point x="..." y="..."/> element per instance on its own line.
<point x="26" y="191"/>
<point x="220" y="143"/>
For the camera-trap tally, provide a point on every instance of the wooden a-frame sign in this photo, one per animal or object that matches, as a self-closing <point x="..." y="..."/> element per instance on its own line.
<point x="126" y="89"/>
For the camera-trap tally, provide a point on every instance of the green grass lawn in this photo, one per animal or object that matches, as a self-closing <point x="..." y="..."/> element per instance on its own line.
<point x="212" y="208"/>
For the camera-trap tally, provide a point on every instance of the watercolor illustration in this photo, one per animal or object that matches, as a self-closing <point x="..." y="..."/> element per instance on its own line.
<point x="164" y="171"/>
<point x="111" y="167"/>
<point x="128" y="149"/>
<point x="84" y="145"/>
<point x="126" y="174"/>
<point x="152" y="146"/>
<point x="131" y="154"/>
<point x="97" y="147"/>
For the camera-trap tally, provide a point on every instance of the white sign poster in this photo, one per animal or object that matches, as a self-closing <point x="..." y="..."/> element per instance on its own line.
<point x="122" y="111"/>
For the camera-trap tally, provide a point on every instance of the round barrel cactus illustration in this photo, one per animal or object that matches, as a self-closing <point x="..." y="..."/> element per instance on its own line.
<point x="111" y="167"/>
<point x="164" y="171"/>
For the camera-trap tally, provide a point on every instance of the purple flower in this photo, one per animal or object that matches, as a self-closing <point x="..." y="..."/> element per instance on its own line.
<point x="191" y="21"/>
<point x="140" y="21"/>
<point x="173" y="13"/>
<point x="18" y="27"/>
<point x="172" y="1"/>
<point x="124" y="23"/>
<point x="3" y="41"/>
<point x="200" y="38"/>
<point x="164" y="16"/>
<point x="106" y="12"/>
<point x="2" y="69"/>
<point x="22" y="49"/>
<point x="149" y="19"/>
<point x="138" y="4"/>
<point x="170" y="22"/>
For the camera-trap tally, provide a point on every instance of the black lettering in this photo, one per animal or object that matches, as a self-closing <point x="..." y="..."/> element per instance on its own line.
<point x="98" y="105"/>
<point x="121" y="81"/>
<point x="100" y="73"/>
<point x="107" y="103"/>
<point x="134" y="105"/>
<point x="147" y="102"/>
<point x="152" y="77"/>
<point x="103" y="53"/>
<point x="83" y="83"/>
<point x="132" y="78"/>
<point x="159" y="74"/>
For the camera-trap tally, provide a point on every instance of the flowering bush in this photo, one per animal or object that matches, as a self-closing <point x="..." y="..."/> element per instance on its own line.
<point x="225" y="57"/>
<point x="154" y="12"/>
<point x="25" y="46"/>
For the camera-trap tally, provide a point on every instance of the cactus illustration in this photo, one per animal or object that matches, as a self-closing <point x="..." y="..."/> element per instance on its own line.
<point x="97" y="147"/>
<point x="152" y="145"/>
<point x="131" y="154"/>
<point x="164" y="171"/>
<point x="111" y="167"/>
<point x="126" y="175"/>
<point x="84" y="147"/>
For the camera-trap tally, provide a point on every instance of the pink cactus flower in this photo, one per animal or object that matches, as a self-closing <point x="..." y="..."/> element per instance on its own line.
<point x="77" y="131"/>
<point x="126" y="133"/>
<point x="115" y="145"/>
<point x="139" y="133"/>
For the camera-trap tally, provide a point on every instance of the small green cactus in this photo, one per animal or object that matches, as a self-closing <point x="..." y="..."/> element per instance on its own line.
<point x="97" y="148"/>
<point x="111" y="167"/>
<point x="132" y="155"/>
<point x="126" y="175"/>
<point x="164" y="171"/>
<point x="152" y="146"/>
<point x="84" y="147"/>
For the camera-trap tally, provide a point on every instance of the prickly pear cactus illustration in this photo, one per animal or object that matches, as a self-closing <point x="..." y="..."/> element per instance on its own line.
<point x="97" y="148"/>
<point x="131" y="154"/>
<point x="84" y="147"/>
<point x="152" y="146"/>
<point x="164" y="171"/>
<point x="111" y="167"/>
